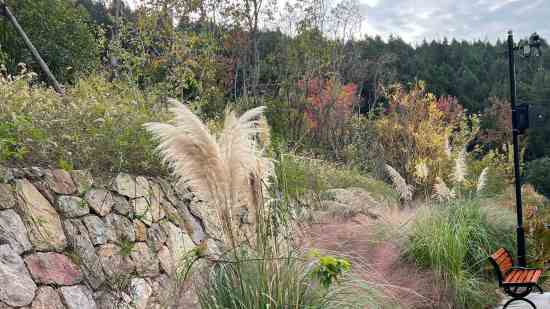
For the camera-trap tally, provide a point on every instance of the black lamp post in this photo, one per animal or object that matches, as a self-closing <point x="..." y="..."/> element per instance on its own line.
<point x="520" y="122"/>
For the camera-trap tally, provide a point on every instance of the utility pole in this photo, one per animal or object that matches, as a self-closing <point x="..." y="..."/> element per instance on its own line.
<point x="43" y="65"/>
<point x="515" y="133"/>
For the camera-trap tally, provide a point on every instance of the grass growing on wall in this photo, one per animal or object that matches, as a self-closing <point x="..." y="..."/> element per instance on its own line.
<point x="97" y="125"/>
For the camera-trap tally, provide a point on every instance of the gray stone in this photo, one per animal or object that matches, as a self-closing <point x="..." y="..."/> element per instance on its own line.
<point x="72" y="206"/>
<point x="167" y="189"/>
<point x="213" y="247"/>
<point x="140" y="292"/>
<point x="43" y="188"/>
<point x="113" y="300"/>
<point x="354" y="197"/>
<point x="78" y="297"/>
<point x="4" y="306"/>
<point x="100" y="200"/>
<point x="7" y="198"/>
<point x="47" y="298"/>
<point x="172" y="213"/>
<point x="155" y="197"/>
<point x="96" y="229"/>
<point x="60" y="181"/>
<point x="13" y="232"/>
<point x="192" y="224"/>
<point x="129" y="186"/>
<point x="81" y="245"/>
<point x="33" y="172"/>
<point x="53" y="268"/>
<point x="83" y="180"/>
<point x="116" y="263"/>
<point x="121" y="205"/>
<point x="7" y="174"/>
<point x="208" y="218"/>
<point x="119" y="228"/>
<point x="177" y="241"/>
<point x="16" y="286"/>
<point x="163" y="292"/>
<point x="166" y="261"/>
<point x="183" y="191"/>
<point x="40" y="218"/>
<point x="145" y="260"/>
<point x="142" y="210"/>
<point x="156" y="237"/>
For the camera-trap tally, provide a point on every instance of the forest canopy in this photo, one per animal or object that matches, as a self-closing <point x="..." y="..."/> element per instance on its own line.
<point x="211" y="52"/>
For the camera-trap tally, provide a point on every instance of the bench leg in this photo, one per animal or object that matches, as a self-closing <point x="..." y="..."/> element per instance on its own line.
<point x="519" y="298"/>
<point x="539" y="288"/>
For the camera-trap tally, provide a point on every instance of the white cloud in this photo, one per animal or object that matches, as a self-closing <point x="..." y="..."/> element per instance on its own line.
<point x="415" y="20"/>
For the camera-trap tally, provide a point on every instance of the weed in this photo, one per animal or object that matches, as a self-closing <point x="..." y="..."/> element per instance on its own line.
<point x="126" y="247"/>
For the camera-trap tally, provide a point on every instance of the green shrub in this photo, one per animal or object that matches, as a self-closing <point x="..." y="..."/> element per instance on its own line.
<point x="300" y="175"/>
<point x="454" y="240"/>
<point x="97" y="125"/>
<point x="538" y="174"/>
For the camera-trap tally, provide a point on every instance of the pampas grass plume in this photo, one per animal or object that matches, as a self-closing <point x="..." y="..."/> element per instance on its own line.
<point x="405" y="191"/>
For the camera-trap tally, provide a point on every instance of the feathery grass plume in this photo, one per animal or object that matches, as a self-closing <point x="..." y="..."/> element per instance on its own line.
<point x="422" y="171"/>
<point x="442" y="193"/>
<point x="482" y="181"/>
<point x="460" y="172"/>
<point x="405" y="191"/>
<point x="219" y="169"/>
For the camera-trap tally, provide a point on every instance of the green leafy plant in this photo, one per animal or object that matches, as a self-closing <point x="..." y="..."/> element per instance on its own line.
<point x="330" y="269"/>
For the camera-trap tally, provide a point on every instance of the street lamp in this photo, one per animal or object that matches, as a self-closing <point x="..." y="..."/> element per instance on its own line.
<point x="520" y="122"/>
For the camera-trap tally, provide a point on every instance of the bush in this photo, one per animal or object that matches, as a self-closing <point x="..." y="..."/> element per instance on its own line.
<point x="538" y="174"/>
<point x="421" y="135"/>
<point x="300" y="175"/>
<point x="97" y="125"/>
<point x="455" y="240"/>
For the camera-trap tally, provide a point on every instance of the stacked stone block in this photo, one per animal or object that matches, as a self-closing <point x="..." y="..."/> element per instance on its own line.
<point x="68" y="240"/>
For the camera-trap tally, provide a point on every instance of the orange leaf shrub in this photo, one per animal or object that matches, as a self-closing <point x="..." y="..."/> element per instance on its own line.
<point x="328" y="110"/>
<point x="414" y="133"/>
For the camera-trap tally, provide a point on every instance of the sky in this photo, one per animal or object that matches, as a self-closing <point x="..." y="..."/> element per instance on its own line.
<point x="416" y="20"/>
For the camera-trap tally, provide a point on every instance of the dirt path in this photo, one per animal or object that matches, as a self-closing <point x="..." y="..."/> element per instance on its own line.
<point x="375" y="259"/>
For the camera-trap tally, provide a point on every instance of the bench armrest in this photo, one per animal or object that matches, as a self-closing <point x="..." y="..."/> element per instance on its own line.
<point x="525" y="268"/>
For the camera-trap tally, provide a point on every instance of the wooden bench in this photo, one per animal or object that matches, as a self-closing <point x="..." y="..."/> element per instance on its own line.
<point x="517" y="282"/>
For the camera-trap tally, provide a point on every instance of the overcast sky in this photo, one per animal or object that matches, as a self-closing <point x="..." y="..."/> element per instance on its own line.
<point x="415" y="20"/>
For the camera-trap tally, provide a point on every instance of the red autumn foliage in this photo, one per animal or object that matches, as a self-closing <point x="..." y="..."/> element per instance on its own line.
<point x="328" y="101"/>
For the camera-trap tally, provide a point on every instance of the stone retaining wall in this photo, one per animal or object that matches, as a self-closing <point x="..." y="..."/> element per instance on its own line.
<point x="68" y="240"/>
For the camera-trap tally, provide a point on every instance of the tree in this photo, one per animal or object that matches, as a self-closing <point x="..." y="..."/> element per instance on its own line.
<point x="65" y="37"/>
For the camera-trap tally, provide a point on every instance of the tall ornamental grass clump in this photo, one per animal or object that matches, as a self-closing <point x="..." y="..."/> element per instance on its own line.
<point x="454" y="240"/>
<point x="260" y="283"/>
<point x="257" y="266"/>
